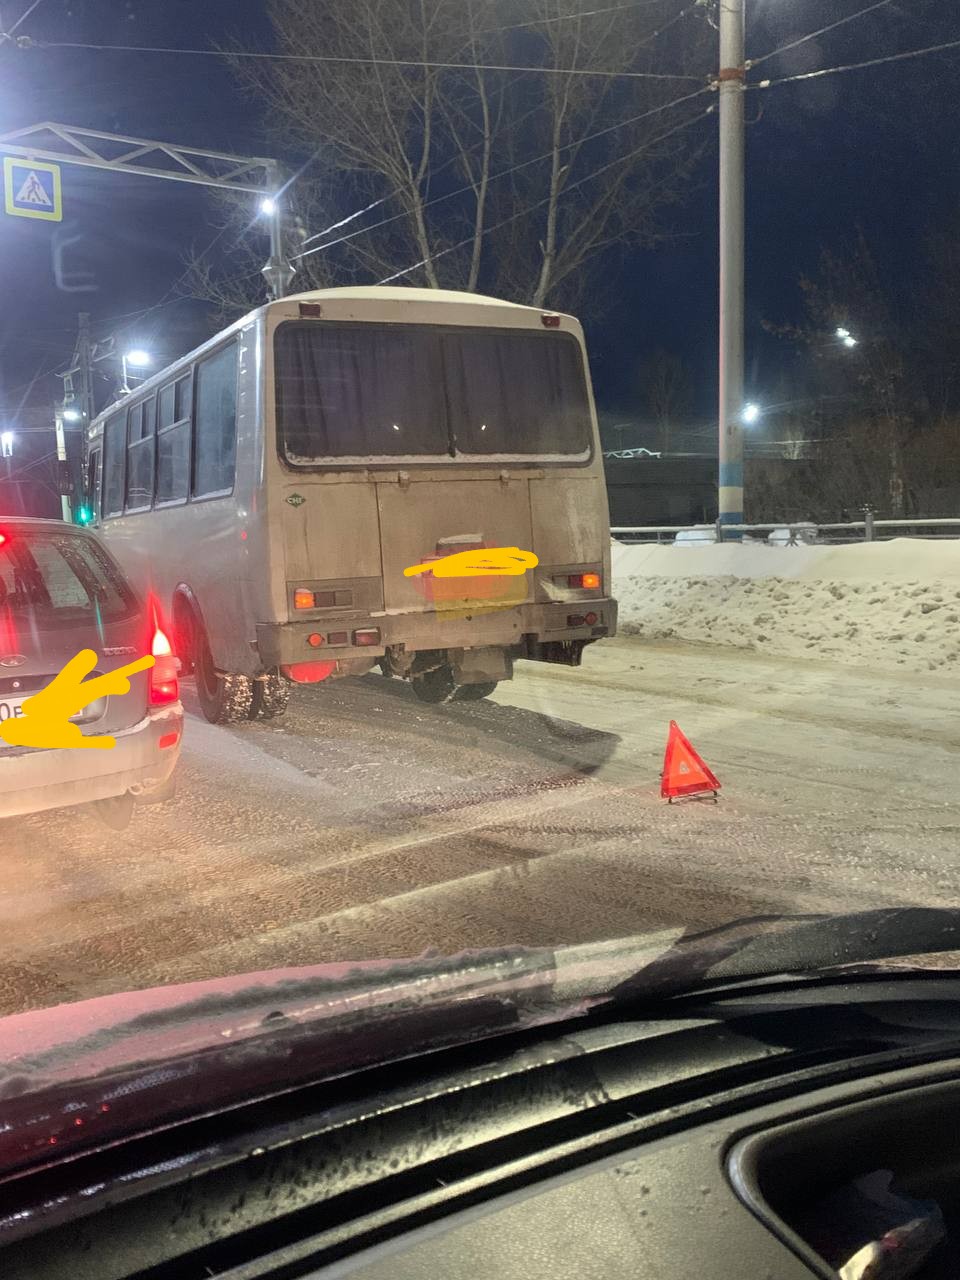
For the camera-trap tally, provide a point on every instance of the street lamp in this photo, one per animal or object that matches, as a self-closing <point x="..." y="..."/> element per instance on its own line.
<point x="136" y="358"/>
<point x="268" y="206"/>
<point x="6" y="444"/>
<point x="751" y="414"/>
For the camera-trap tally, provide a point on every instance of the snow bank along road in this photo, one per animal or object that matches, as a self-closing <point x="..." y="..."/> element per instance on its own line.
<point x="365" y="824"/>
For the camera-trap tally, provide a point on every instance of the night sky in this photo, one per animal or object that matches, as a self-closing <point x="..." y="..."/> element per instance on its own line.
<point x="873" y="149"/>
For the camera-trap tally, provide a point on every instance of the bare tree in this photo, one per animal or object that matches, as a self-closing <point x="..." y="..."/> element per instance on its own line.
<point x="483" y="177"/>
<point x="665" y="391"/>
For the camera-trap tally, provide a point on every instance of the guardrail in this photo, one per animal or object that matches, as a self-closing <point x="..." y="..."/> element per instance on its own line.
<point x="796" y="533"/>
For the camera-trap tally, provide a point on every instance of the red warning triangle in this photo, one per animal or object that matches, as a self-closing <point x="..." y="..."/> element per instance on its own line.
<point x="684" y="773"/>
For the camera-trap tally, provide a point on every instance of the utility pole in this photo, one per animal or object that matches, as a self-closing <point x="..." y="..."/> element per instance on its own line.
<point x="77" y="411"/>
<point x="730" y="83"/>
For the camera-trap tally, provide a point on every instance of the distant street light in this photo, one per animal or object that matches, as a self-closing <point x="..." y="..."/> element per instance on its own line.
<point x="6" y="444"/>
<point x="751" y="414"/>
<point x="849" y="341"/>
<point x="843" y="333"/>
<point x="268" y="206"/>
<point x="72" y="415"/>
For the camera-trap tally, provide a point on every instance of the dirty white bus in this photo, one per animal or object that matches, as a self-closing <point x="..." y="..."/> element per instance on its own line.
<point x="271" y="487"/>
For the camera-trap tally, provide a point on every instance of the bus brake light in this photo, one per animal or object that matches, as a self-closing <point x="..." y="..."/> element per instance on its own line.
<point x="588" y="581"/>
<point x="303" y="598"/>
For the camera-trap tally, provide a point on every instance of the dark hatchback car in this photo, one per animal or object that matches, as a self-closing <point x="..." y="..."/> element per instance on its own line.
<point x="61" y="592"/>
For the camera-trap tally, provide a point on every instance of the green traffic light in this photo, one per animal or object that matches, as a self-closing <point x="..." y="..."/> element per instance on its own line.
<point x="84" y="515"/>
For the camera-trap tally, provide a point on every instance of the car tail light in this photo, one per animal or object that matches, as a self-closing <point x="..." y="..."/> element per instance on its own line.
<point x="164" y="685"/>
<point x="3" y="539"/>
<point x="168" y="740"/>
<point x="589" y="581"/>
<point x="370" y="635"/>
<point x="303" y="598"/>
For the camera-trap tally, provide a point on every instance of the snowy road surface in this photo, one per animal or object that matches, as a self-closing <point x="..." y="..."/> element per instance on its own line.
<point x="366" y="824"/>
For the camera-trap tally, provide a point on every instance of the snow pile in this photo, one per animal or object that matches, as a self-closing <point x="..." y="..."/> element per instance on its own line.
<point x="884" y="603"/>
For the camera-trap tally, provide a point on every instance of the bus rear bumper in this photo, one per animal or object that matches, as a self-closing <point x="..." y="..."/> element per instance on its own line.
<point x="519" y="629"/>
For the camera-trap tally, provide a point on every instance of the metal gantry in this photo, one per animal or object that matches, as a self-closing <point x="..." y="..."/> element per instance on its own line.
<point x="148" y="158"/>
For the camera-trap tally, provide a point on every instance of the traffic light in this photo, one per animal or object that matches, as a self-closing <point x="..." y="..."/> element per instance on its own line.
<point x="84" y="515"/>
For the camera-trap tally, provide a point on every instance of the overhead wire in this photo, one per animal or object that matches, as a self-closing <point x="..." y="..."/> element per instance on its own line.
<point x="520" y="213"/>
<point x="21" y="20"/>
<point x="502" y="173"/>
<point x="857" y="66"/>
<point x="812" y="35"/>
<point x="600" y="73"/>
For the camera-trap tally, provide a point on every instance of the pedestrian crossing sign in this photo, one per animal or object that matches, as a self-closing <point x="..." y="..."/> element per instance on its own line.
<point x="32" y="189"/>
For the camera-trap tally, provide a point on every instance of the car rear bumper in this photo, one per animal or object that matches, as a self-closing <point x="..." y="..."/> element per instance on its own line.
<point x="34" y="780"/>
<point x="283" y="644"/>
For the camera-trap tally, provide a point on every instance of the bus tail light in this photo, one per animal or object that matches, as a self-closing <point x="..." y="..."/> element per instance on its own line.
<point x="164" y="685"/>
<point x="315" y="639"/>
<point x="588" y="581"/>
<point x="370" y="635"/>
<point x="303" y="598"/>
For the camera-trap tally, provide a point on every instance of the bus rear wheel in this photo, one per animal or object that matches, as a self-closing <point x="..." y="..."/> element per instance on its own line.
<point x="474" y="692"/>
<point x="435" y="685"/>
<point x="224" y="698"/>
<point x="270" y="697"/>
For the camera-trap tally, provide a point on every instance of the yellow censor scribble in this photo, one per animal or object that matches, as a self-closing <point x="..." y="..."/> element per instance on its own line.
<point x="46" y="715"/>
<point x="507" y="562"/>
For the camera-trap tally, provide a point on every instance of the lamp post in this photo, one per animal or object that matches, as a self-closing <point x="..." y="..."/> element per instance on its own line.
<point x="134" y="359"/>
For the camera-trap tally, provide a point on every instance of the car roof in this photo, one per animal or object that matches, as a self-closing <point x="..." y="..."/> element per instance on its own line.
<point x="38" y="523"/>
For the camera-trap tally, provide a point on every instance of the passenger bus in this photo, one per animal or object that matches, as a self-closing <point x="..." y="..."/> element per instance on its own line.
<point x="271" y="488"/>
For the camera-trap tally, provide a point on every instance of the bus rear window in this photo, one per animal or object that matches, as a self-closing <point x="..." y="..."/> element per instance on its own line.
<point x="351" y="393"/>
<point x="357" y="392"/>
<point x="517" y="393"/>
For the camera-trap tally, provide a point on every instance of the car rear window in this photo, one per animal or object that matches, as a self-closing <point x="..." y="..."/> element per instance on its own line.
<point x="55" y="580"/>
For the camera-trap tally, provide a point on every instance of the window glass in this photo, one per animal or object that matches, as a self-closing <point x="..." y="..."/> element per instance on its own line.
<point x="54" y="580"/>
<point x="93" y="482"/>
<point x="516" y="393"/>
<point x="357" y="392"/>
<point x="114" y="457"/>
<point x="140" y="456"/>
<point x="165" y="410"/>
<point x="215" y="429"/>
<point x="173" y="463"/>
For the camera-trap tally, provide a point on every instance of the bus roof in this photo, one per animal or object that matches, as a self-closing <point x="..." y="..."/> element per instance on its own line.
<point x="404" y="293"/>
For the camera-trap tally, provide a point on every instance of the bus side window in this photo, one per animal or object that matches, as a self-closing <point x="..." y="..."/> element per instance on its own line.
<point x="140" y="455"/>
<point x="215" y="419"/>
<point x="173" y="441"/>
<point x="114" y="460"/>
<point x="92" y="495"/>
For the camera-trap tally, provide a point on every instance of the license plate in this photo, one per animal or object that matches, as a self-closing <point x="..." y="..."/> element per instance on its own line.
<point x="11" y="708"/>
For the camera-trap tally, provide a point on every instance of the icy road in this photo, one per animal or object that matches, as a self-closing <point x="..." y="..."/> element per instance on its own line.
<point x="366" y="824"/>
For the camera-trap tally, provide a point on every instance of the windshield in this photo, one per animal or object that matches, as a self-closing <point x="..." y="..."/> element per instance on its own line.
<point x="519" y="541"/>
<point x="384" y="391"/>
